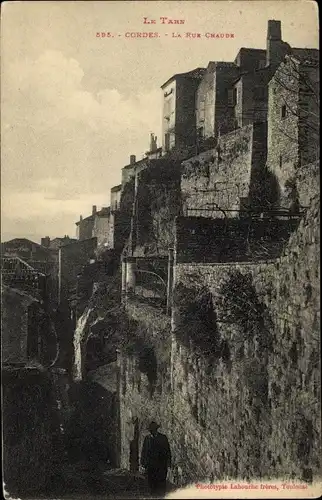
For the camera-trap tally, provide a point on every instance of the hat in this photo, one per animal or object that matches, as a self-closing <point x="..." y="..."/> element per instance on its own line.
<point x="153" y="426"/>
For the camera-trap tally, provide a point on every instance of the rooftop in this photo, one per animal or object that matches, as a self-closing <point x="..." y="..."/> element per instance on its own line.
<point x="100" y="213"/>
<point x="195" y="73"/>
<point x="116" y="188"/>
<point x="22" y="241"/>
<point x="139" y="162"/>
<point x="306" y="54"/>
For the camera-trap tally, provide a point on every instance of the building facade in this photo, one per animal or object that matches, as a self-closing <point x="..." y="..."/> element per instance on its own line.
<point x="293" y="117"/>
<point x="234" y="94"/>
<point x="179" y="114"/>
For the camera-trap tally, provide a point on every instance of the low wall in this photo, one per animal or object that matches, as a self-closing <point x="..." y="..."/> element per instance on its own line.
<point x="199" y="239"/>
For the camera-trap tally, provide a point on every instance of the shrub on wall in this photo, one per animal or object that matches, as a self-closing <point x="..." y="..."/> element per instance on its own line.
<point x="240" y="305"/>
<point x="197" y="323"/>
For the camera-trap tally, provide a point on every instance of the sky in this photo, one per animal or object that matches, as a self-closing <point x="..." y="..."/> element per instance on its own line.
<point x="75" y="106"/>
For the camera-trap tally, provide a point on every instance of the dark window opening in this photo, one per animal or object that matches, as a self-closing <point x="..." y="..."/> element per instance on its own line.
<point x="167" y="142"/>
<point x="231" y="97"/>
<point x="281" y="160"/>
<point x="283" y="111"/>
<point x="200" y="133"/>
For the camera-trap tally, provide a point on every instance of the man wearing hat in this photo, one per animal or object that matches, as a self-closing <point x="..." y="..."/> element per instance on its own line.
<point x="156" y="458"/>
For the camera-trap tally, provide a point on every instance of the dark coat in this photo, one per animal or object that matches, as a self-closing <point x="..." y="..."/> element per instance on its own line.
<point x="156" y="452"/>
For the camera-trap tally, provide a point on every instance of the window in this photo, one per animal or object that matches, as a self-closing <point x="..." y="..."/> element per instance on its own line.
<point x="167" y="109"/>
<point x="262" y="64"/>
<point x="167" y="142"/>
<point x="200" y="133"/>
<point x="231" y="97"/>
<point x="202" y="111"/>
<point x="281" y="160"/>
<point x="283" y="111"/>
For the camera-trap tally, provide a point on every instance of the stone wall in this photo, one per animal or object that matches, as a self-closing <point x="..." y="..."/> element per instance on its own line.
<point x="308" y="183"/>
<point x="101" y="229"/>
<point x="205" y="102"/>
<point x="237" y="391"/>
<point x="221" y="178"/>
<point x="32" y="446"/>
<point x="283" y="153"/>
<point x="185" y="116"/>
<point x="213" y="111"/>
<point x="226" y="74"/>
<point x="200" y="239"/>
<point x="85" y="228"/>
<point x="293" y="125"/>
<point x="252" y="105"/>
<point x="144" y="398"/>
<point x="15" y="305"/>
<point x="229" y="420"/>
<point x="157" y="205"/>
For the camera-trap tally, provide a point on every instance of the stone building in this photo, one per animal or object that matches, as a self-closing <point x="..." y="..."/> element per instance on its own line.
<point x="84" y="227"/>
<point x="154" y="152"/>
<point x="27" y="250"/>
<point x="135" y="166"/>
<point x="38" y="257"/>
<point x="115" y="197"/>
<point x="234" y="94"/>
<point x="214" y="106"/>
<point x="293" y="118"/>
<point x="20" y="342"/>
<point x="94" y="226"/>
<point x="115" y="201"/>
<point x="179" y="116"/>
<point x="56" y="243"/>
<point x="101" y="225"/>
<point x="256" y="69"/>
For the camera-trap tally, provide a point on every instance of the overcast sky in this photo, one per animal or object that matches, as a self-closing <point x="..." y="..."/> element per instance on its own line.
<point x="75" y="106"/>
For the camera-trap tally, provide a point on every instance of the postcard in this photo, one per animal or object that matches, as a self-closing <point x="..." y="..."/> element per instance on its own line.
<point x="160" y="249"/>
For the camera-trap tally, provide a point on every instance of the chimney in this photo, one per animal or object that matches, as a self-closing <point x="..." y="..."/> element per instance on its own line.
<point x="274" y="31"/>
<point x="80" y="217"/>
<point x="132" y="159"/>
<point x="45" y="242"/>
<point x="94" y="209"/>
<point x="153" y="143"/>
<point x="275" y="47"/>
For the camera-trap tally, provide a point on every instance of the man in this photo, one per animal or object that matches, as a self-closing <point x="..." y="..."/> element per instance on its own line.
<point x="156" y="458"/>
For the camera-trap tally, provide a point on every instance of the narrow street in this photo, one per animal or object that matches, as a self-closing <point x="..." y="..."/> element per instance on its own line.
<point x="82" y="483"/>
